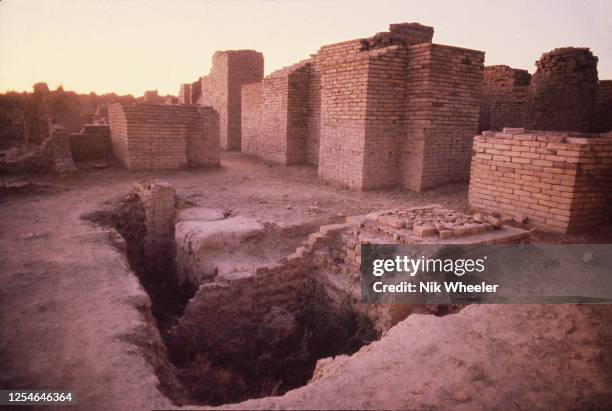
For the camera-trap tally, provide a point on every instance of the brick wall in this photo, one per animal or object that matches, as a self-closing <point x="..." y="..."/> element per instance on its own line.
<point x="442" y="110"/>
<point x="150" y="136"/>
<point x="221" y="89"/>
<point x="372" y="113"/>
<point x="560" y="181"/>
<point x="504" y="97"/>
<point x="92" y="143"/>
<point x="251" y="119"/>
<point x="562" y="91"/>
<point x="603" y="106"/>
<point x="185" y="94"/>
<point x="158" y="201"/>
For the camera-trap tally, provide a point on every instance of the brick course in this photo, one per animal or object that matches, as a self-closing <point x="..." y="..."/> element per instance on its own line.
<point x="603" y="107"/>
<point x="92" y="143"/>
<point x="560" y="181"/>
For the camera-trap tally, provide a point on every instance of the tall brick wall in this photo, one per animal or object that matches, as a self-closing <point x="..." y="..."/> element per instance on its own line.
<point x="562" y="91"/>
<point x="151" y="136"/>
<point x="504" y="97"/>
<point x="251" y="119"/>
<point x="603" y="106"/>
<point x="372" y="113"/>
<point x="344" y="88"/>
<point x="222" y="87"/>
<point x="442" y="111"/>
<point x="561" y="182"/>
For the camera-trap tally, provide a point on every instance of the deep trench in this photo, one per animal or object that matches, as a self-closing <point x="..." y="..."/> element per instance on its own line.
<point x="249" y="363"/>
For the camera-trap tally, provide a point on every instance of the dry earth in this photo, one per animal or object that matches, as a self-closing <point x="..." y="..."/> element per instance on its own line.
<point x="73" y="315"/>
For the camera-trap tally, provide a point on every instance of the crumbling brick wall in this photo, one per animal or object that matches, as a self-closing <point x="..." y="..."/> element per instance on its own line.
<point x="92" y="143"/>
<point x="222" y="88"/>
<point x="603" y="107"/>
<point x="560" y="181"/>
<point x="148" y="136"/>
<point x="562" y="91"/>
<point x="504" y="97"/>
<point x="442" y="110"/>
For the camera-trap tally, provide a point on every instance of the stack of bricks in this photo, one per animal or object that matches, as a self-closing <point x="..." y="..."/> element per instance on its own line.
<point x="372" y="113"/>
<point x="504" y="97"/>
<point x="251" y="119"/>
<point x="153" y="137"/>
<point x="222" y="87"/>
<point x="562" y="91"/>
<point x="158" y="200"/>
<point x="185" y="94"/>
<point x="92" y="143"/>
<point x="559" y="181"/>
<point x="603" y="107"/>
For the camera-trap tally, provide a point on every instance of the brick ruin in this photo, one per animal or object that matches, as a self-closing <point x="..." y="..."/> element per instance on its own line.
<point x="155" y="136"/>
<point x="221" y="90"/>
<point x="560" y="181"/>
<point x="265" y="323"/>
<point x="504" y="97"/>
<point x="91" y="143"/>
<point x="393" y="109"/>
<point x="562" y="91"/>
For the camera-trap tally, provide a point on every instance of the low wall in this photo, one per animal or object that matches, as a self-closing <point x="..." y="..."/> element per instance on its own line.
<point x="560" y="181"/>
<point x="92" y="143"/>
<point x="153" y="137"/>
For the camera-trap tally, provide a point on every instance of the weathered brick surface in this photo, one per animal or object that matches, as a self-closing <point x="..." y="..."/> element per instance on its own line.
<point x="442" y="109"/>
<point x="150" y="136"/>
<point x="222" y="88"/>
<point x="158" y="201"/>
<point x="251" y="119"/>
<point x="603" y="107"/>
<point x="562" y="91"/>
<point x="560" y="181"/>
<point x="373" y="113"/>
<point x="504" y="97"/>
<point x="92" y="143"/>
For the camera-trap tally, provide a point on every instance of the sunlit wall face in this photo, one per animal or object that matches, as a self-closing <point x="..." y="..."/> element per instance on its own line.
<point x="129" y="46"/>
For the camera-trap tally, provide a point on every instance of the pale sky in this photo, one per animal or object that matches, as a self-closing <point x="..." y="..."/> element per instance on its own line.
<point x="129" y="46"/>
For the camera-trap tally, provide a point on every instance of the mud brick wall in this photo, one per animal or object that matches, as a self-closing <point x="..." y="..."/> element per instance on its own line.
<point x="560" y="181"/>
<point x="185" y="94"/>
<point x="442" y="110"/>
<point x="603" y="106"/>
<point x="158" y="201"/>
<point x="504" y="97"/>
<point x="251" y="119"/>
<point x="386" y="91"/>
<point x="222" y="88"/>
<point x="562" y="91"/>
<point x="150" y="137"/>
<point x="344" y="89"/>
<point x="92" y="143"/>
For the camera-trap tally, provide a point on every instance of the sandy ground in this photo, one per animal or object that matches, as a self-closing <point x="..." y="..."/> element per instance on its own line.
<point x="73" y="316"/>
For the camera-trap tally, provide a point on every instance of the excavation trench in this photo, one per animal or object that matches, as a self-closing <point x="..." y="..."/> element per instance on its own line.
<point x="220" y="355"/>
